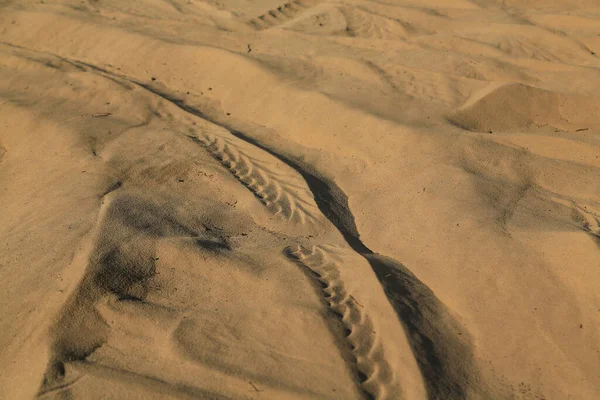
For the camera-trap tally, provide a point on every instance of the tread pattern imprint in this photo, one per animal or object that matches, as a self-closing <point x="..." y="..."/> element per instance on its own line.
<point x="281" y="14"/>
<point x="376" y="337"/>
<point x="278" y="187"/>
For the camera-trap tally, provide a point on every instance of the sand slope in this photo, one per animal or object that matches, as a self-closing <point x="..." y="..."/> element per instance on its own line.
<point x="520" y="107"/>
<point x="336" y="200"/>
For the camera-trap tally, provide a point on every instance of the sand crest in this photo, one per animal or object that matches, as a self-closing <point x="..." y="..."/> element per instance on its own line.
<point x="301" y="200"/>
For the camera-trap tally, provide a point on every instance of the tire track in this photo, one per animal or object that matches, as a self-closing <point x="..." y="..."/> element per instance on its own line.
<point x="366" y="346"/>
<point x="281" y="14"/>
<point x="272" y="188"/>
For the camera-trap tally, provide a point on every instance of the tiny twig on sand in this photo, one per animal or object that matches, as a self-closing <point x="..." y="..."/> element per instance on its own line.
<point x="254" y="386"/>
<point x="357" y="303"/>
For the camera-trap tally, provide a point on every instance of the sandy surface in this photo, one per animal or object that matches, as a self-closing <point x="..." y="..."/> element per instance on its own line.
<point x="314" y="200"/>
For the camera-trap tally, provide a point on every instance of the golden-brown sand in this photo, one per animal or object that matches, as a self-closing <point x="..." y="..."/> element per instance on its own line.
<point x="238" y="199"/>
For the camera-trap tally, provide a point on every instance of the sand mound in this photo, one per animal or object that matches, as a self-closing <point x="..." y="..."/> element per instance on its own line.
<point x="505" y="107"/>
<point x="272" y="200"/>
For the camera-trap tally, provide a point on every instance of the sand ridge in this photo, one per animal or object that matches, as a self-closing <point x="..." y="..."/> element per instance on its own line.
<point x="311" y="199"/>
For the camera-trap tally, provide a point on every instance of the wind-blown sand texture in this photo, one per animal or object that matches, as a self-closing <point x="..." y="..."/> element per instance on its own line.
<point x="302" y="200"/>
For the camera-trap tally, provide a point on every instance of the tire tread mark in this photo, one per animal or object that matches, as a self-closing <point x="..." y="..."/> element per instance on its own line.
<point x="280" y="14"/>
<point x="268" y="186"/>
<point x="366" y="346"/>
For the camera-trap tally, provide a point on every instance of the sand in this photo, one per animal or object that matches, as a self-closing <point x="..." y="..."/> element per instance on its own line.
<point x="308" y="200"/>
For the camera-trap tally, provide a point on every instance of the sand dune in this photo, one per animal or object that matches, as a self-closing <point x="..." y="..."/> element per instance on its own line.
<point x="303" y="200"/>
<point x="521" y="107"/>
